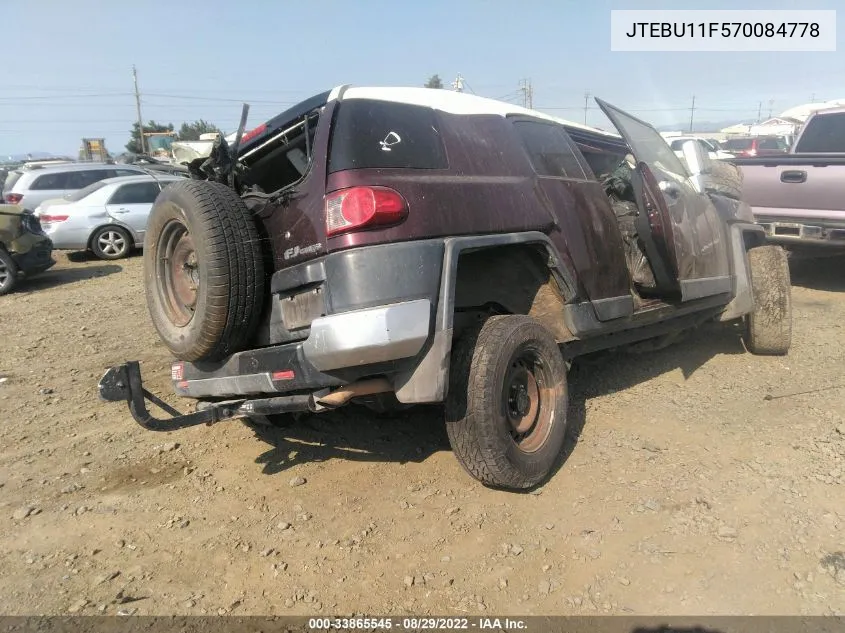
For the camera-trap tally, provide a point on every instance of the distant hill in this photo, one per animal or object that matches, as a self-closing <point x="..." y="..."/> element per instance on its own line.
<point x="30" y="156"/>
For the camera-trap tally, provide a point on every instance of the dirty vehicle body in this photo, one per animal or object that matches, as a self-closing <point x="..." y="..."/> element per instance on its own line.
<point x="799" y="198"/>
<point x="24" y="248"/>
<point x="403" y="246"/>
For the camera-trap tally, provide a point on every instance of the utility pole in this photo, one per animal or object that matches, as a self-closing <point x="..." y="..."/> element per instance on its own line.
<point x="691" y="113"/>
<point x="771" y="106"/>
<point x="527" y="93"/>
<point x="458" y="84"/>
<point x="759" y="110"/>
<point x="813" y="98"/>
<point x="138" y="106"/>
<point x="586" y="106"/>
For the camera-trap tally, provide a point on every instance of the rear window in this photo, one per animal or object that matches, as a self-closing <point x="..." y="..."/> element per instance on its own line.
<point x="76" y="196"/>
<point x="11" y="178"/>
<point x="384" y="135"/>
<point x="738" y="143"/>
<point x="823" y="134"/>
<point x="772" y="143"/>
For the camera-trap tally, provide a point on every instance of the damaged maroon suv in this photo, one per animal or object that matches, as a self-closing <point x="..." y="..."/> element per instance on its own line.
<point x="395" y="246"/>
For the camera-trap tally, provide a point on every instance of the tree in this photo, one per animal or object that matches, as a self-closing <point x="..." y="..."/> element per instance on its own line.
<point x="134" y="144"/>
<point x="192" y="131"/>
<point x="434" y="82"/>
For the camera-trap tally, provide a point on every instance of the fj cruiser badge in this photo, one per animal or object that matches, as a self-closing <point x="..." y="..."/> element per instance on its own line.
<point x="296" y="251"/>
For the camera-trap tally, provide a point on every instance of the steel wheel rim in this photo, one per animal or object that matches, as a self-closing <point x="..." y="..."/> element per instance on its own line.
<point x="528" y="399"/>
<point x="177" y="271"/>
<point x="5" y="274"/>
<point x="111" y="243"/>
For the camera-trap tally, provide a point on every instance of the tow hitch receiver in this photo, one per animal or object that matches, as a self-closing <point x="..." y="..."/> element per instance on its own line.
<point x="123" y="383"/>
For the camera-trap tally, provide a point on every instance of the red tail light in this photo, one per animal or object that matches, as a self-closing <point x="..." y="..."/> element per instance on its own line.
<point x="47" y="219"/>
<point x="363" y="207"/>
<point x="13" y="198"/>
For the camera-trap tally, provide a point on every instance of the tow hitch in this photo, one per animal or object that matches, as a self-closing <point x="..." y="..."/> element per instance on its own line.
<point x="123" y="383"/>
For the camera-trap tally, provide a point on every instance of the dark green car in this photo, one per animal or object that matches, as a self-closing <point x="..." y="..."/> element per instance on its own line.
<point x="24" y="248"/>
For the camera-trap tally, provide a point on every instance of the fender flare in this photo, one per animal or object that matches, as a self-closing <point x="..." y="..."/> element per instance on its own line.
<point x="428" y="381"/>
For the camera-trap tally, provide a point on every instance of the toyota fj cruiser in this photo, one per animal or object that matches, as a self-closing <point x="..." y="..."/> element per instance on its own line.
<point x="412" y="246"/>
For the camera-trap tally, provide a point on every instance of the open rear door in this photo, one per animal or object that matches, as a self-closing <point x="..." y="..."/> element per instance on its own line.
<point x="676" y="213"/>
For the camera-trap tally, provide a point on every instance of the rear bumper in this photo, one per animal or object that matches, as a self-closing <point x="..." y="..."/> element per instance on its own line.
<point x="339" y="347"/>
<point x="37" y="259"/>
<point x="802" y="231"/>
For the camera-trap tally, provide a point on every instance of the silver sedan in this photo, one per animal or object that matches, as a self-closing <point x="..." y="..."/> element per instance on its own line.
<point x="108" y="217"/>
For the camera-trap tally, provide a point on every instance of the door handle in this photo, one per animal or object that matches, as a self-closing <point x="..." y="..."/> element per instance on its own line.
<point x="793" y="176"/>
<point x="121" y="211"/>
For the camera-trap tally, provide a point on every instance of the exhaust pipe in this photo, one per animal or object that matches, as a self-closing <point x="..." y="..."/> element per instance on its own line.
<point x="341" y="396"/>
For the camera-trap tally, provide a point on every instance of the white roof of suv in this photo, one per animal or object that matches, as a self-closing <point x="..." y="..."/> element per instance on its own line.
<point x="452" y="102"/>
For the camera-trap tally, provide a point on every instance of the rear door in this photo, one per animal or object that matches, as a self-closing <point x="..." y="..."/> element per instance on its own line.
<point x="44" y="187"/>
<point x="131" y="204"/>
<point x="682" y="223"/>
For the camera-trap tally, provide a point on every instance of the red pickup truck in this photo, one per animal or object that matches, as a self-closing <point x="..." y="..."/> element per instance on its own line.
<point x="799" y="197"/>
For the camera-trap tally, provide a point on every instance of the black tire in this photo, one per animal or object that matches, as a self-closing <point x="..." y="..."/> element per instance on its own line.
<point x="482" y="419"/>
<point x="768" y="328"/>
<point x="8" y="272"/>
<point x="204" y="272"/>
<point x="112" y="242"/>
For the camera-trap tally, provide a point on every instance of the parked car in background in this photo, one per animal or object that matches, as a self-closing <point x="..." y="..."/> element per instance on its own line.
<point x="756" y="145"/>
<point x="677" y="145"/>
<point x="108" y="217"/>
<point x="799" y="197"/>
<point x="29" y="187"/>
<point x="24" y="248"/>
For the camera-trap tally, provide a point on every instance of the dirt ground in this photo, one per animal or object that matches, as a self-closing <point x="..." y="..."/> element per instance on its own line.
<point x="685" y="490"/>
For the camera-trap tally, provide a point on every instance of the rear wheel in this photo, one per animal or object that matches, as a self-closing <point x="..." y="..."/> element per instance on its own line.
<point x="111" y="242"/>
<point x="204" y="270"/>
<point x="8" y="272"/>
<point x="769" y="325"/>
<point x="507" y="405"/>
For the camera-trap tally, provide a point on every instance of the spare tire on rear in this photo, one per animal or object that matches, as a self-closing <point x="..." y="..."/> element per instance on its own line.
<point x="203" y="270"/>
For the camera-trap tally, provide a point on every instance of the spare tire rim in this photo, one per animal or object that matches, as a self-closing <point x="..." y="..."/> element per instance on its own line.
<point x="177" y="270"/>
<point x="528" y="399"/>
<point x="5" y="274"/>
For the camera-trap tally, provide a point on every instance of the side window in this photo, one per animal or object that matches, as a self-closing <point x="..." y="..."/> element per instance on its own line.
<point x="383" y="135"/>
<point x="81" y="179"/>
<point x="550" y="151"/>
<point x="135" y="193"/>
<point x="50" y="182"/>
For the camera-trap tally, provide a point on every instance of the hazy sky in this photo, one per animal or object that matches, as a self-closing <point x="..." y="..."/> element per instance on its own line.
<point x="67" y="63"/>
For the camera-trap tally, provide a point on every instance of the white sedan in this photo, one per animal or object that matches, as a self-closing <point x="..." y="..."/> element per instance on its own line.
<point x="108" y="217"/>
